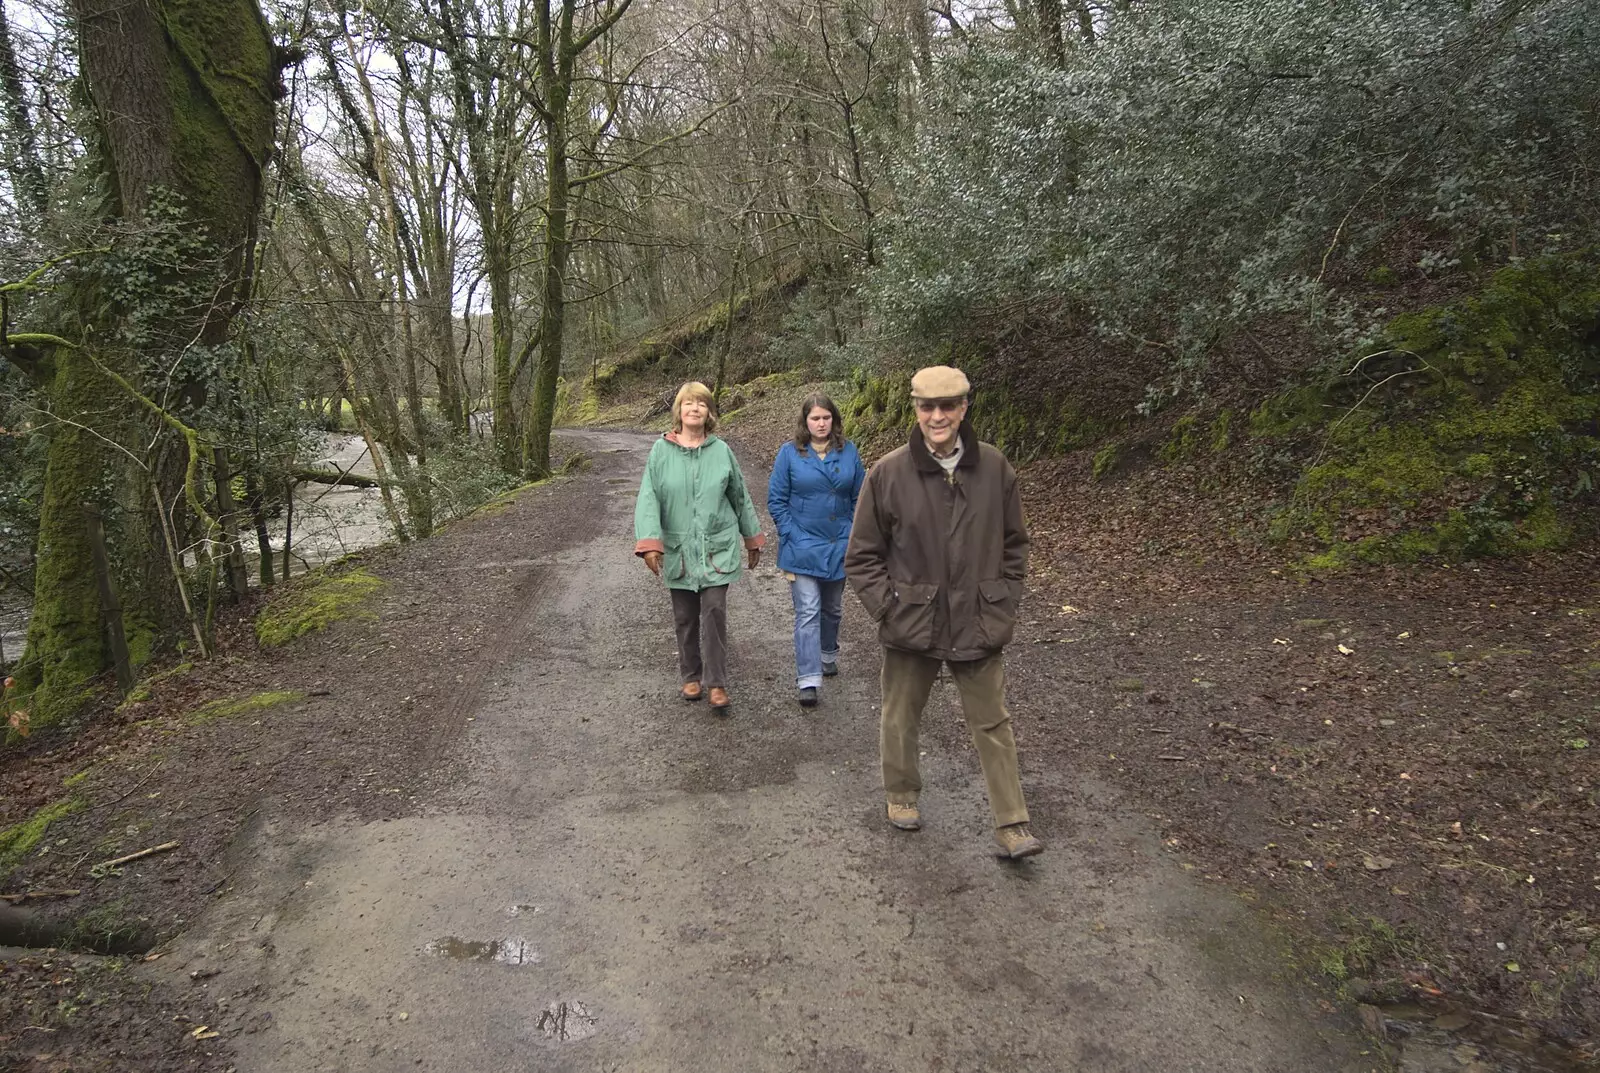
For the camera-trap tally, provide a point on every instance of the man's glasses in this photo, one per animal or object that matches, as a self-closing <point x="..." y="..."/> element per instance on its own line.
<point x="949" y="406"/>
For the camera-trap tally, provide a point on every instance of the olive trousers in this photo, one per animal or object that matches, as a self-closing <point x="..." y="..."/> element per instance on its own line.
<point x="907" y="680"/>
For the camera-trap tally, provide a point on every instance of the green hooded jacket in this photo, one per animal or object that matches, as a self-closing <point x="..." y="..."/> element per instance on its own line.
<point x="694" y="509"/>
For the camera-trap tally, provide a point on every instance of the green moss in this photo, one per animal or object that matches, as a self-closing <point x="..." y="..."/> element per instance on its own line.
<point x="693" y="333"/>
<point x="1180" y="444"/>
<point x="1382" y="276"/>
<point x="142" y="640"/>
<point x="64" y="648"/>
<point x="320" y="600"/>
<point x="502" y="502"/>
<point x="219" y="80"/>
<point x="141" y="690"/>
<point x="231" y="706"/>
<point x="1289" y="412"/>
<point x="19" y="839"/>
<point x="878" y="411"/>
<point x="1105" y="460"/>
<point x="1221" y="432"/>
<point x="1481" y="441"/>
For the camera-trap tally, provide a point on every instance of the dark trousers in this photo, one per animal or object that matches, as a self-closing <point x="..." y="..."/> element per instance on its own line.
<point x="701" y="621"/>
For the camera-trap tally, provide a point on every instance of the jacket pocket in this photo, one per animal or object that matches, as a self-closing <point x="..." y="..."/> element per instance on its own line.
<point x="908" y="623"/>
<point x="722" y="552"/>
<point x="676" y="558"/>
<point x="997" y="611"/>
<point x="675" y="562"/>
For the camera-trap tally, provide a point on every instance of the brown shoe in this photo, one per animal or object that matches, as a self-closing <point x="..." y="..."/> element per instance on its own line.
<point x="1016" y="841"/>
<point x="719" y="699"/>
<point x="906" y="817"/>
<point x="691" y="691"/>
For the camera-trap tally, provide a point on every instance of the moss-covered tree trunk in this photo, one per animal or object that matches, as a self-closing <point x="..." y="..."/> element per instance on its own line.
<point x="560" y="46"/>
<point x="553" y="314"/>
<point x="182" y="94"/>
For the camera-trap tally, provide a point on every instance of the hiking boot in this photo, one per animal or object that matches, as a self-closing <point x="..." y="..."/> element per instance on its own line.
<point x="829" y="670"/>
<point x="808" y="697"/>
<point x="906" y="817"/>
<point x="1016" y="841"/>
<point x="691" y="691"/>
<point x="719" y="699"/>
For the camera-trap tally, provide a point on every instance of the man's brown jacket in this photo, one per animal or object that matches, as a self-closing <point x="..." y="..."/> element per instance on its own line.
<point x="938" y="561"/>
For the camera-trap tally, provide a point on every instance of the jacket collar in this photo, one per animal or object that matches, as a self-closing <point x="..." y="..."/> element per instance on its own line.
<point x="810" y="451"/>
<point x="924" y="457"/>
<point x="672" y="438"/>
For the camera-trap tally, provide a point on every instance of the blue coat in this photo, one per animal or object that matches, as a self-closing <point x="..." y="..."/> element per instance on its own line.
<point x="812" y="501"/>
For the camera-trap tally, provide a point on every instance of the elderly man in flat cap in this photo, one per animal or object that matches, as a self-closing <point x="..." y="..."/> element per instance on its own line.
<point x="937" y="556"/>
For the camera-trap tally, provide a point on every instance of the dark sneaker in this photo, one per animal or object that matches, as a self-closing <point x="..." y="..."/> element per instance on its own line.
<point x="829" y="670"/>
<point x="906" y="817"/>
<point x="1016" y="841"/>
<point x="808" y="697"/>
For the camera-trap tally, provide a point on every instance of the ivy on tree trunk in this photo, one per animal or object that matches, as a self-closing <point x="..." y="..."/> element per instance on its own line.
<point x="183" y="98"/>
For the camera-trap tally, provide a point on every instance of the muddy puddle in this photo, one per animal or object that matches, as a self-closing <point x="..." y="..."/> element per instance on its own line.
<point x="1441" y="1037"/>
<point x="513" y="950"/>
<point x="567" y="1022"/>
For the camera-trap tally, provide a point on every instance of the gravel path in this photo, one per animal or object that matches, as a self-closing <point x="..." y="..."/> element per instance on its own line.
<point x="596" y="876"/>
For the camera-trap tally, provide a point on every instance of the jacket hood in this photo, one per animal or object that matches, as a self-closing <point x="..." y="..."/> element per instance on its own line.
<point x="672" y="438"/>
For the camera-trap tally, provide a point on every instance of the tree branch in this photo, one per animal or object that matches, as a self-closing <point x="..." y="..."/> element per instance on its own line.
<point x="602" y="173"/>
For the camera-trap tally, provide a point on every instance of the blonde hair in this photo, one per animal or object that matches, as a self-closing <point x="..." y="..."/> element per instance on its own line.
<point x="694" y="389"/>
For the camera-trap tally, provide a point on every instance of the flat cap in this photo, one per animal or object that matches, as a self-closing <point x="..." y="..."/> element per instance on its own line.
<point x="939" y="382"/>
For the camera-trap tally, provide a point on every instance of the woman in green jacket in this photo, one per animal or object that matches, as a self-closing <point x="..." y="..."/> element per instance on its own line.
<point x="690" y="524"/>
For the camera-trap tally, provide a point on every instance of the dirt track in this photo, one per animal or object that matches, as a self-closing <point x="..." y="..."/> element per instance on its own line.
<point x="596" y="876"/>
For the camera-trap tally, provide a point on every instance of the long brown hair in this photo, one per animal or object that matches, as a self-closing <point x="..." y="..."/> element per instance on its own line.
<point x="802" y="431"/>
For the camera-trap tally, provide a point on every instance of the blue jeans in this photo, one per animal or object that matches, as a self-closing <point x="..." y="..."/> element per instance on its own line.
<point x="818" y="607"/>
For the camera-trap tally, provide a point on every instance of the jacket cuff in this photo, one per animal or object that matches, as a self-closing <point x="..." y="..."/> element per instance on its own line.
<point x="757" y="541"/>
<point x="649" y="545"/>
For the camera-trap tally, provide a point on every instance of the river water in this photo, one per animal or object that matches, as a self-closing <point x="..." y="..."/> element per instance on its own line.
<point x="329" y="521"/>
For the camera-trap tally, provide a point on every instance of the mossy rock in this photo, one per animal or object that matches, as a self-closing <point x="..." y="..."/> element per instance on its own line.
<point x="1484" y="442"/>
<point x="1295" y="410"/>
<point x="879" y="413"/>
<point x="228" y="707"/>
<point x="316" y="603"/>
<point x="879" y="409"/>
<point x="1181" y="443"/>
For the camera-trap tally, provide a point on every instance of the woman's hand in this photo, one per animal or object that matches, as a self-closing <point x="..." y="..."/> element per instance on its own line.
<point x="652" y="559"/>
<point x="755" y="557"/>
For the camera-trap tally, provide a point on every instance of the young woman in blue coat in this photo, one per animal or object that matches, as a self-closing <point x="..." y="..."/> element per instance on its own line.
<point x="812" y="498"/>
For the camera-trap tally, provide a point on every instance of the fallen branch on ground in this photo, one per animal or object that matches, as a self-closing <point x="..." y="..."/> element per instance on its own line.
<point x="105" y="866"/>
<point x="18" y="899"/>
